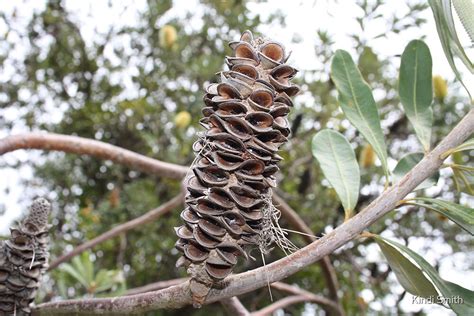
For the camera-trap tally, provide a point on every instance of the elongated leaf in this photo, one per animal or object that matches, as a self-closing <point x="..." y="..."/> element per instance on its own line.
<point x="465" y="11"/>
<point x="69" y="269"/>
<point x="467" y="145"/>
<point x="408" y="274"/>
<point x="463" y="179"/>
<point x="449" y="39"/>
<point x="339" y="165"/>
<point x="447" y="289"/>
<point x="88" y="266"/>
<point x="463" y="175"/>
<point x="406" y="164"/>
<point x="461" y="215"/>
<point x="105" y="280"/>
<point x="416" y="89"/>
<point x="357" y="102"/>
<point x="83" y="265"/>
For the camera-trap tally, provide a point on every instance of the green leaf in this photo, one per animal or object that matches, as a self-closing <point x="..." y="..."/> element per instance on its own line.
<point x="449" y="39"/>
<point x="467" y="145"/>
<point x="105" y="280"/>
<point x="463" y="178"/>
<point x="406" y="164"/>
<point x="357" y="102"/>
<point x="88" y="266"/>
<point x="461" y="215"/>
<point x="339" y="165"/>
<point x="465" y="11"/>
<point x="84" y="266"/>
<point x="69" y="269"/>
<point x="408" y="274"/>
<point x="416" y="89"/>
<point x="447" y="289"/>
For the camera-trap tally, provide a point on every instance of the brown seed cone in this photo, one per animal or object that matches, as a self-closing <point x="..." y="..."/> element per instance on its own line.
<point x="228" y="202"/>
<point x="23" y="260"/>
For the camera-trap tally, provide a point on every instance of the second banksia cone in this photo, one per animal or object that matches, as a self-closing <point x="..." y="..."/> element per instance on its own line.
<point x="23" y="260"/>
<point x="229" y="208"/>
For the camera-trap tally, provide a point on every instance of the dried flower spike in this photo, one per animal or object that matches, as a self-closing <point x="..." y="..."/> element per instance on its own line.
<point x="23" y="260"/>
<point x="228" y="203"/>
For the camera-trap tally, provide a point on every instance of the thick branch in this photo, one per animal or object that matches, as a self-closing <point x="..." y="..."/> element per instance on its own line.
<point x="120" y="229"/>
<point x="178" y="296"/>
<point x="327" y="304"/>
<point x="85" y="146"/>
<point x="155" y="286"/>
<point x="297" y="222"/>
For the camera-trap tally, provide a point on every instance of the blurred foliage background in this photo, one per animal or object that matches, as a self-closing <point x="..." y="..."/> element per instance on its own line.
<point x="140" y="87"/>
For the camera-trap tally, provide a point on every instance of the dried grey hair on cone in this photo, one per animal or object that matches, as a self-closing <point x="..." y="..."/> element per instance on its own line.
<point x="229" y="207"/>
<point x="23" y="260"/>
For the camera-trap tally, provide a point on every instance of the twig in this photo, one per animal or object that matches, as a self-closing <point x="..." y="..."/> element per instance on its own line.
<point x="326" y="303"/>
<point x="85" y="146"/>
<point x="179" y="295"/>
<point x="284" y="302"/>
<point x="120" y="229"/>
<point x="234" y="307"/>
<point x="297" y="222"/>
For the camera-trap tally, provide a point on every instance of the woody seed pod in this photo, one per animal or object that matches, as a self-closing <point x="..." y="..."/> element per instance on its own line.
<point x="228" y="202"/>
<point x="23" y="260"/>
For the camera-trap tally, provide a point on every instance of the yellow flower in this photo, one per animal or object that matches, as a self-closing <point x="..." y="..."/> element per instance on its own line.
<point x="440" y="87"/>
<point x="168" y="36"/>
<point x="182" y="119"/>
<point x="367" y="156"/>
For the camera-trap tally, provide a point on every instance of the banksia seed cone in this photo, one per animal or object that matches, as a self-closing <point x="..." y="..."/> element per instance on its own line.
<point x="228" y="202"/>
<point x="23" y="260"/>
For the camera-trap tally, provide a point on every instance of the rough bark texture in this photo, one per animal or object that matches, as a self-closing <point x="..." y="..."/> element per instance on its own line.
<point x="23" y="260"/>
<point x="228" y="203"/>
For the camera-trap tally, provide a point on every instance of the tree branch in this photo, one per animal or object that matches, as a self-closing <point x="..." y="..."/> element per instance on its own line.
<point x="120" y="229"/>
<point x="284" y="302"/>
<point x="155" y="286"/>
<point x="294" y="290"/>
<point x="179" y="295"/>
<point x="327" y="304"/>
<point x="84" y="146"/>
<point x="234" y="307"/>
<point x="297" y="222"/>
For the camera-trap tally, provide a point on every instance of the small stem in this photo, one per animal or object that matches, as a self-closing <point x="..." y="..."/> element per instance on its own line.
<point x="347" y="215"/>
<point x="366" y="234"/>
<point x="446" y="154"/>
